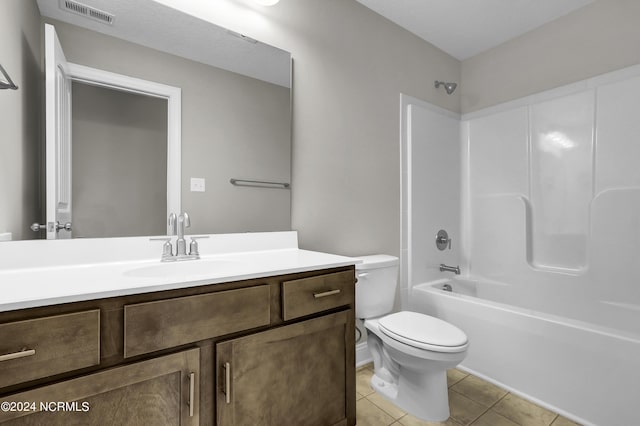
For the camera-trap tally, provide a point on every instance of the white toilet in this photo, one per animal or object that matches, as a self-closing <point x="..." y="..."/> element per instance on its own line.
<point x="411" y="351"/>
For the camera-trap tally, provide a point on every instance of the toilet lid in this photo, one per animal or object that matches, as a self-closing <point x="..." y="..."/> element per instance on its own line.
<point x="423" y="331"/>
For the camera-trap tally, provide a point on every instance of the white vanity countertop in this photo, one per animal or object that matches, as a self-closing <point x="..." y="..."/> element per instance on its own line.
<point x="26" y="287"/>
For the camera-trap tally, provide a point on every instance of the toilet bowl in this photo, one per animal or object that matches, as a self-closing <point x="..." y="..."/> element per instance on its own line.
<point x="411" y="351"/>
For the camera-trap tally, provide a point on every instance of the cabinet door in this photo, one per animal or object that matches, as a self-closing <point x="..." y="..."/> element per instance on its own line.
<point x="160" y="391"/>
<point x="292" y="375"/>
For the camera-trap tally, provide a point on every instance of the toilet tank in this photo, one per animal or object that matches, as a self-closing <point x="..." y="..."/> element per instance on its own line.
<point x="376" y="287"/>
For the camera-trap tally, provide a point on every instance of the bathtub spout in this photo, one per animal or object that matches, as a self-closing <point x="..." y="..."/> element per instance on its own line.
<point x="455" y="269"/>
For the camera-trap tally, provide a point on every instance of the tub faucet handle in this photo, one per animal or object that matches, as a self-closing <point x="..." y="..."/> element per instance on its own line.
<point x="442" y="240"/>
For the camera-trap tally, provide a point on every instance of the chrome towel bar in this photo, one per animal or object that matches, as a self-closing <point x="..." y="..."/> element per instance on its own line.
<point x="8" y="83"/>
<point x="259" y="183"/>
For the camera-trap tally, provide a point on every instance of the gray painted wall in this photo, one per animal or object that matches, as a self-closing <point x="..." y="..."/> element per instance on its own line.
<point x="596" y="39"/>
<point x="350" y="66"/>
<point x="20" y="118"/>
<point x="119" y="163"/>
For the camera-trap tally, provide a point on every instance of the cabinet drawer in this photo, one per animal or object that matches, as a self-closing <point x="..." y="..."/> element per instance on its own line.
<point x="167" y="323"/>
<point x="315" y="294"/>
<point x="46" y="346"/>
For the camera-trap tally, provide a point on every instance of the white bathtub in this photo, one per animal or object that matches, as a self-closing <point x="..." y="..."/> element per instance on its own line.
<point x="584" y="371"/>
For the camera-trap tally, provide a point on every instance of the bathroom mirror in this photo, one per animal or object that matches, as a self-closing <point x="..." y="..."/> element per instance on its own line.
<point x="236" y="114"/>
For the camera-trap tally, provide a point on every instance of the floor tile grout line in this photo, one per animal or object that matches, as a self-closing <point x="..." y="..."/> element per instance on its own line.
<point x="475" y="418"/>
<point x="471" y="398"/>
<point x="496" y="403"/>
<point x="385" y="411"/>
<point x="488" y="408"/>
<point x="458" y="381"/>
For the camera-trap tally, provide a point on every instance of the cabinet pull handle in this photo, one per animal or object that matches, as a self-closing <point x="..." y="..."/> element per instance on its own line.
<point x="24" y="352"/>
<point x="192" y="391"/>
<point x="326" y="293"/>
<point x="227" y="382"/>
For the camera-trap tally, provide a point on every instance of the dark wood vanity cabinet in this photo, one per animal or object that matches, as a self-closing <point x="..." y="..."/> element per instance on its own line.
<point x="291" y="375"/>
<point x="268" y="351"/>
<point x="158" y="391"/>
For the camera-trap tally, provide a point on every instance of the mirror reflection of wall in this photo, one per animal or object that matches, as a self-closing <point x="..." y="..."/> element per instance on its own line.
<point x="233" y="126"/>
<point x="20" y="115"/>
<point x="119" y="179"/>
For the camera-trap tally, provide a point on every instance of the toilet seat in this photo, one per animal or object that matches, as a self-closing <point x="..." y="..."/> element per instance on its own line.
<point x="423" y="332"/>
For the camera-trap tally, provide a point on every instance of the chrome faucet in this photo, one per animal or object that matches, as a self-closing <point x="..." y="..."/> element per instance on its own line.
<point x="173" y="219"/>
<point x="455" y="269"/>
<point x="181" y="244"/>
<point x="176" y="226"/>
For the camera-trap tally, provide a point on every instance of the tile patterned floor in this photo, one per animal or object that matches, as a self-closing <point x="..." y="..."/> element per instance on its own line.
<point x="472" y="401"/>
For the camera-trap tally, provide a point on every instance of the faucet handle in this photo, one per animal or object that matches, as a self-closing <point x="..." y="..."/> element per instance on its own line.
<point x="167" y="249"/>
<point x="193" y="245"/>
<point x="443" y="240"/>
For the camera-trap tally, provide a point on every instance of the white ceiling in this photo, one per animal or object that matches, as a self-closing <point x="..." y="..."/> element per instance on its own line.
<point x="464" y="28"/>
<point x="163" y="28"/>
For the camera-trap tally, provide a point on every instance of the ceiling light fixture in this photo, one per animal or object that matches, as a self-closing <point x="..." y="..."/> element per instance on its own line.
<point x="266" y="2"/>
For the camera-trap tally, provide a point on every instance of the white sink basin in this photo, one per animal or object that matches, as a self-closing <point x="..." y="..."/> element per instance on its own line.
<point x="187" y="268"/>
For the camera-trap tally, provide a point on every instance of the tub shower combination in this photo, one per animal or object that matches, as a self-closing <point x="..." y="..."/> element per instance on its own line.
<point x="548" y="245"/>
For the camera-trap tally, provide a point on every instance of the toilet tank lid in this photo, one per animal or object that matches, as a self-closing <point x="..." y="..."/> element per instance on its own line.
<point x="376" y="261"/>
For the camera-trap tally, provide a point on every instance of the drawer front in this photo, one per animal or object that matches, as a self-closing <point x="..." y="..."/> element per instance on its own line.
<point x="167" y="323"/>
<point x="316" y="294"/>
<point x="42" y="347"/>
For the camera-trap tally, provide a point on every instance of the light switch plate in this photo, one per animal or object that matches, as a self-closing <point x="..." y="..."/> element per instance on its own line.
<point x="197" y="184"/>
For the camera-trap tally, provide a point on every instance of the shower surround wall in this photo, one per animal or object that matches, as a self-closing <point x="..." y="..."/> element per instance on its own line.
<point x="430" y="181"/>
<point x="553" y="200"/>
<point x="548" y="242"/>
<point x="551" y="219"/>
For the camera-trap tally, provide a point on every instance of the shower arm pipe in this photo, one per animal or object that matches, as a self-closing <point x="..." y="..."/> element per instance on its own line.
<point x="449" y="87"/>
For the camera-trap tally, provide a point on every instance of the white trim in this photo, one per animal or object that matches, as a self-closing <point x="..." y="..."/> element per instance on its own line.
<point x="173" y="95"/>
<point x="410" y="100"/>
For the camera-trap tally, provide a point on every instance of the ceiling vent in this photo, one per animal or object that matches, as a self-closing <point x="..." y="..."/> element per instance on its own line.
<point x="87" y="11"/>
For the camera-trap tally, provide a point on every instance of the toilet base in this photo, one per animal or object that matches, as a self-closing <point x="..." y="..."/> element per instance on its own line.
<point x="422" y="394"/>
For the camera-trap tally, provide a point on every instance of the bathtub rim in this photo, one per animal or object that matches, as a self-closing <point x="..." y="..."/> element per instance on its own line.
<point x="429" y="286"/>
